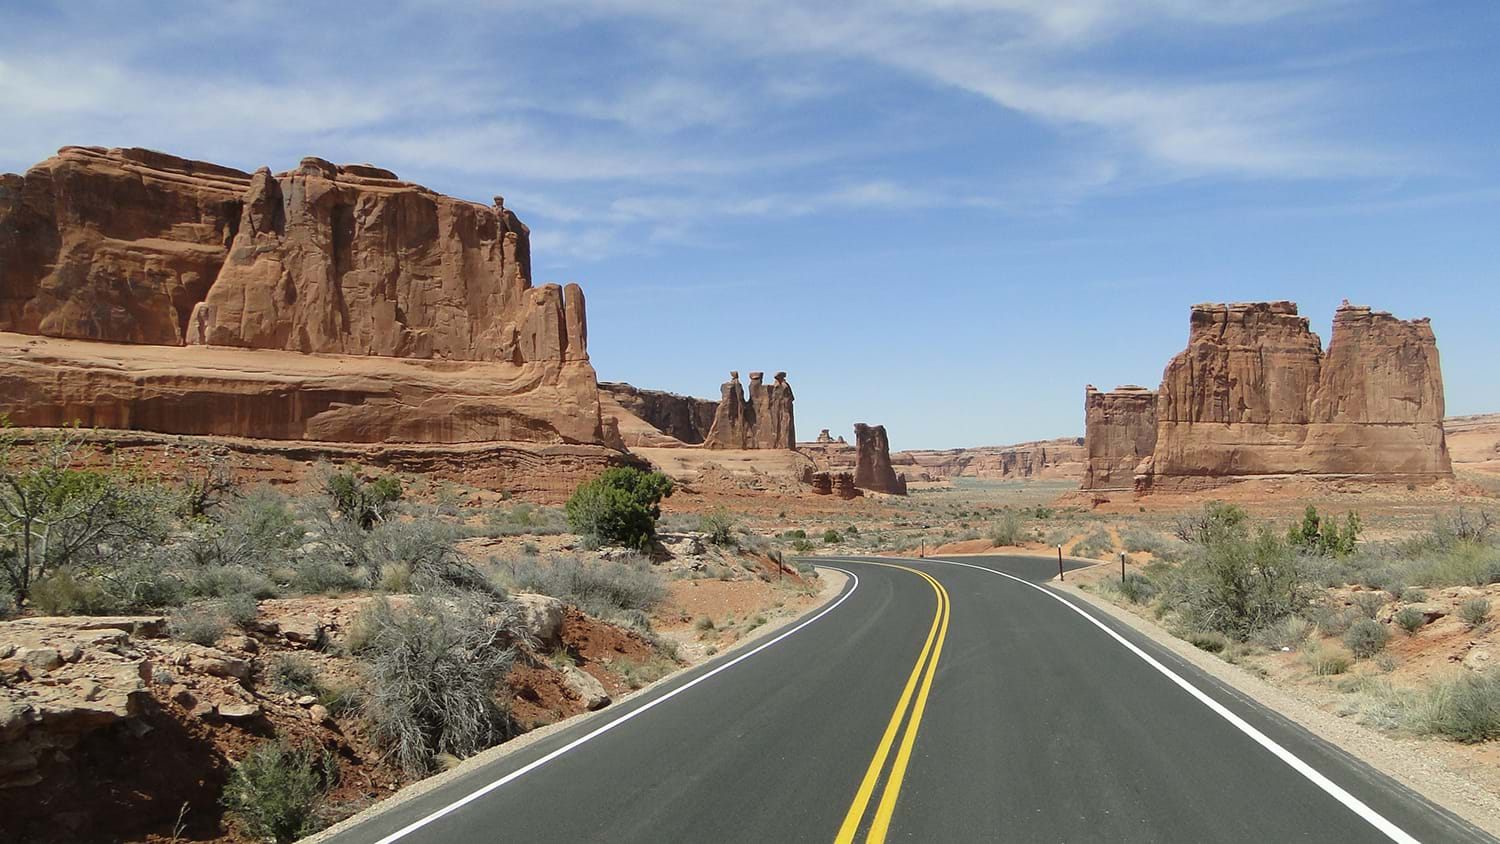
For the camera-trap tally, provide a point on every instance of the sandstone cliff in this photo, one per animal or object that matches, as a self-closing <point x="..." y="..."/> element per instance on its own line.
<point x="761" y="419"/>
<point x="341" y="264"/>
<point x="683" y="418"/>
<point x="872" y="466"/>
<point x="1121" y="432"/>
<point x="1255" y="395"/>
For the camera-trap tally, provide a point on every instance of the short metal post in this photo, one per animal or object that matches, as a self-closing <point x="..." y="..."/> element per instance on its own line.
<point x="1122" y="568"/>
<point x="1059" y="563"/>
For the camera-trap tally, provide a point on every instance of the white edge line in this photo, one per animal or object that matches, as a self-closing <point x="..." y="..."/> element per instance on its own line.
<point x="1354" y="804"/>
<point x="537" y="763"/>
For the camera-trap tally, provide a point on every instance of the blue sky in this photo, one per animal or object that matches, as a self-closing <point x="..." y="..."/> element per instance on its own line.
<point x="946" y="216"/>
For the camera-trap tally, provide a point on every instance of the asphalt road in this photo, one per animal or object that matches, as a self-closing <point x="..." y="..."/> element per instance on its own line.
<point x="957" y="706"/>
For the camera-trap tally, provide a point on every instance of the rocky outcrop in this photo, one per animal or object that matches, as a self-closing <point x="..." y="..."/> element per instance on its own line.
<point x="840" y="484"/>
<point x="825" y="438"/>
<point x="133" y="246"/>
<point x="872" y="462"/>
<point x="1255" y="395"/>
<point x="763" y="419"/>
<point x="684" y="418"/>
<point x="1120" y="433"/>
<point x="1060" y="458"/>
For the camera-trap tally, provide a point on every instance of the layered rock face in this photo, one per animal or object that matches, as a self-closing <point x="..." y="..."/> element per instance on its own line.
<point x="763" y="419"/>
<point x="1120" y="433"/>
<point x="133" y="246"/>
<point x="683" y="418"/>
<point x="872" y="462"/>
<point x="1255" y="395"/>
<point x="1060" y="458"/>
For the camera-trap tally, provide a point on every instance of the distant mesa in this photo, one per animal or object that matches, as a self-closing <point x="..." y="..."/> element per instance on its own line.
<point x="1254" y="395"/>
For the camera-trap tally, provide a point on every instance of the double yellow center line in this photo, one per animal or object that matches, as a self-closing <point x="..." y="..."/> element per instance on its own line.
<point x="931" y="650"/>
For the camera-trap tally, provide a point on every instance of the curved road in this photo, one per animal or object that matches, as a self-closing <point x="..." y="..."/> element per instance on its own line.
<point x="932" y="701"/>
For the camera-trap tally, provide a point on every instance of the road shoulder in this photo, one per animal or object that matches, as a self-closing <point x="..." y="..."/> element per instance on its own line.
<point x="1426" y="767"/>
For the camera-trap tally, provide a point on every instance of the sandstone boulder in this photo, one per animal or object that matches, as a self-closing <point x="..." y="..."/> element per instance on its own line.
<point x="541" y="616"/>
<point x="585" y="687"/>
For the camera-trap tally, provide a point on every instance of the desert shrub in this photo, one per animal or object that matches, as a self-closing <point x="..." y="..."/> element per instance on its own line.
<point x="223" y="581"/>
<point x="361" y="501"/>
<point x="1235" y="583"/>
<point x="831" y="537"/>
<point x="1215" y="522"/>
<point x="203" y="622"/>
<point x="1465" y="708"/>
<point x="639" y="674"/>
<point x="602" y="589"/>
<point x="1474" y="611"/>
<point x="292" y="673"/>
<point x="8" y="606"/>
<point x="1008" y="530"/>
<point x="257" y="532"/>
<point x="1317" y="535"/>
<point x="1290" y="632"/>
<point x="620" y="507"/>
<point x="798" y="533"/>
<point x="433" y="668"/>
<point x="1410" y="619"/>
<point x="320" y="575"/>
<point x="1137" y="588"/>
<point x="1324" y="663"/>
<point x="1366" y="637"/>
<point x="56" y="517"/>
<point x="423" y="553"/>
<point x="1333" y="621"/>
<point x="1412" y="595"/>
<point x="803" y="546"/>
<point x="1137" y="539"/>
<point x="719" y="525"/>
<point x="1208" y="640"/>
<point x="1098" y="541"/>
<point x="1369" y="603"/>
<point x="275" y="792"/>
<point x="526" y="519"/>
<point x="703" y="624"/>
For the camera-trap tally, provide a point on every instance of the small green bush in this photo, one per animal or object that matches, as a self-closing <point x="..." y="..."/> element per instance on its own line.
<point x="291" y="673"/>
<point x="1465" y="708"/>
<point x="1137" y="588"/>
<point x="360" y="501"/>
<point x="1412" y="595"/>
<point x="1097" y="542"/>
<point x="620" y="507"/>
<point x="719" y="525"/>
<point x="1208" y="640"/>
<point x="1321" y="536"/>
<point x="275" y="792"/>
<point x="1007" y="531"/>
<point x="1369" y="604"/>
<point x="202" y="622"/>
<point x="1366" y="637"/>
<point x="1290" y="633"/>
<point x="831" y="537"/>
<point x="1324" y="663"/>
<point x="803" y="546"/>
<point x="798" y="533"/>
<point x="1411" y="619"/>
<point x="1474" y="611"/>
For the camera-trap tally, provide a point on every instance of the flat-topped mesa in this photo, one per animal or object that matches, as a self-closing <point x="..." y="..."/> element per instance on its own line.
<point x="763" y="419"/>
<point x="134" y="246"/>
<point x="872" y="461"/>
<point x="1120" y="433"/>
<point x="1255" y="395"/>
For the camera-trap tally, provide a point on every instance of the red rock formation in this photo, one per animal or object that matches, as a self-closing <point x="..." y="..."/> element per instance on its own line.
<point x="1254" y="395"/>
<point x="134" y="246"/>
<point x="1120" y="433"/>
<point x="822" y="483"/>
<point x="683" y="418"/>
<point x="872" y="466"/>
<point x="1060" y="458"/>
<point x="763" y="420"/>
